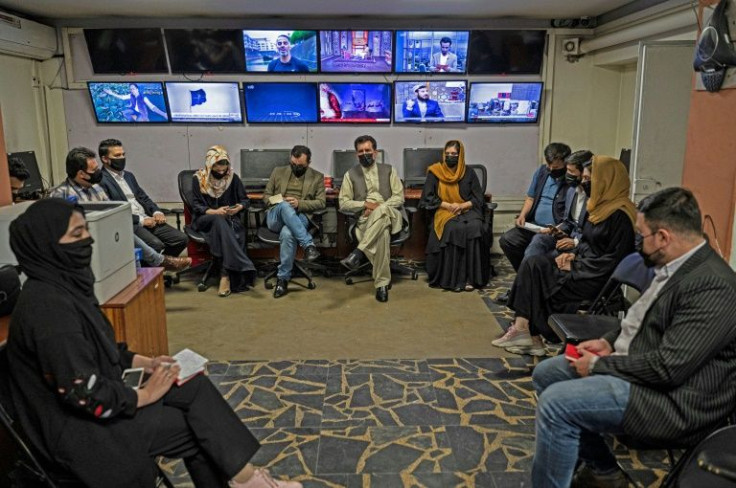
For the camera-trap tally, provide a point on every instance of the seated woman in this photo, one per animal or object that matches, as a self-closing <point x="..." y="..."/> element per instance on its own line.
<point x="219" y="196"/>
<point x="546" y="285"/>
<point x="458" y="248"/>
<point x="65" y="376"/>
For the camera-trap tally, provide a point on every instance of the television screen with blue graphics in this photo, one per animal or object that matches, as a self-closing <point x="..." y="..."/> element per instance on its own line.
<point x="215" y="103"/>
<point x="280" y="103"/>
<point x="140" y="102"/>
<point x="355" y="103"/>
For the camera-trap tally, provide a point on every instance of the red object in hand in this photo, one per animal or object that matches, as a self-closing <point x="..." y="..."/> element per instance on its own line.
<point x="328" y="181"/>
<point x="571" y="352"/>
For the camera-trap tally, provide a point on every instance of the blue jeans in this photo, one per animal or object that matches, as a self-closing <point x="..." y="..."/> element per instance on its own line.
<point x="292" y="229"/>
<point x="542" y="244"/>
<point x="572" y="413"/>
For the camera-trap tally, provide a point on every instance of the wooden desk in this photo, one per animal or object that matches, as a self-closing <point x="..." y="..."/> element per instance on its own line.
<point x="138" y="314"/>
<point x="4" y="325"/>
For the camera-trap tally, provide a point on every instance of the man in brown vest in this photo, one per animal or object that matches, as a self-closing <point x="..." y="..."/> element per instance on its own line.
<point x="375" y="192"/>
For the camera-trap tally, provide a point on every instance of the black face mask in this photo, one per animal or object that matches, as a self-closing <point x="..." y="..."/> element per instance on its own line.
<point x="557" y="173"/>
<point x="95" y="177"/>
<point x="79" y="253"/>
<point x="218" y="176"/>
<point x="298" y="170"/>
<point x="366" y="160"/>
<point x="451" y="161"/>
<point x="586" y="187"/>
<point x="571" y="180"/>
<point x="639" y="247"/>
<point x="118" y="164"/>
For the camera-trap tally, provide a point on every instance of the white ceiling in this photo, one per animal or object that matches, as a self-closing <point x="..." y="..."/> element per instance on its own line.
<point x="533" y="9"/>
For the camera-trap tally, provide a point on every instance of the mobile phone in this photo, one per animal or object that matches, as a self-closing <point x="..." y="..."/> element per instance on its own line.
<point x="571" y="352"/>
<point x="133" y="377"/>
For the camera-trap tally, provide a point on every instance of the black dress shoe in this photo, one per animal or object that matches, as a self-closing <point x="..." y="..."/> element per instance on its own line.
<point x="282" y="288"/>
<point x="311" y="253"/>
<point x="354" y="260"/>
<point x="382" y="293"/>
<point x="503" y="298"/>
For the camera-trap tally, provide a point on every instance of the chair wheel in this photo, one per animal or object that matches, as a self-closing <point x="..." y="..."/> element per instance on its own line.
<point x="414" y="275"/>
<point x="202" y="287"/>
<point x="348" y="281"/>
<point x="312" y="285"/>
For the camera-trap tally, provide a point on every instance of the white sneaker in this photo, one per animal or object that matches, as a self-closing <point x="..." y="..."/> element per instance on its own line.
<point x="536" y="348"/>
<point x="262" y="479"/>
<point x="513" y="337"/>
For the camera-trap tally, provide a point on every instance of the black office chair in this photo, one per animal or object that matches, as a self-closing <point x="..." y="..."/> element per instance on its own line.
<point x="31" y="468"/>
<point x="197" y="247"/>
<point x="482" y="173"/>
<point x="602" y="317"/>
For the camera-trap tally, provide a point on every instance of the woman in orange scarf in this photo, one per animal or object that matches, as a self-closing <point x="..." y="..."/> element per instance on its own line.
<point x="546" y="285"/>
<point x="458" y="248"/>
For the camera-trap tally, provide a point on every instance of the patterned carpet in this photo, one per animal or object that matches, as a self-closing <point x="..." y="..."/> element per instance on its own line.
<point x="396" y="423"/>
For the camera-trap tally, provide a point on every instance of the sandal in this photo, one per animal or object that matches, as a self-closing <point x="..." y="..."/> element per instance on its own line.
<point x="224" y="289"/>
<point x="469" y="287"/>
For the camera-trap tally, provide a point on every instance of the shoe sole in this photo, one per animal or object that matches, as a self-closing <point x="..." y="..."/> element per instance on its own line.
<point x="528" y="351"/>
<point x="517" y="342"/>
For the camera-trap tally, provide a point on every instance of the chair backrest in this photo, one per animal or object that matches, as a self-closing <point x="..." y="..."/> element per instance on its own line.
<point x="482" y="173"/>
<point x="186" y="187"/>
<point x="631" y="271"/>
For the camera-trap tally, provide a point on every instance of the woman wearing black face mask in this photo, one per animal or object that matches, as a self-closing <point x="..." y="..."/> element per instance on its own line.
<point x="459" y="244"/>
<point x="65" y="376"/>
<point x="219" y="196"/>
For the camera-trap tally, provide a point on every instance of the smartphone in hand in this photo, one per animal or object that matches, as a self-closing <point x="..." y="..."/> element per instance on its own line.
<point x="133" y="377"/>
<point x="571" y="352"/>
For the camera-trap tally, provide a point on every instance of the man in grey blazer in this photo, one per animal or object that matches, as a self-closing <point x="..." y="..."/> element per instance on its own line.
<point x="444" y="61"/>
<point x="666" y="376"/>
<point x="292" y="193"/>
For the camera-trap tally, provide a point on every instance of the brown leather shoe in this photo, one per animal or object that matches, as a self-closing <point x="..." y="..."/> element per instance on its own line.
<point x="176" y="264"/>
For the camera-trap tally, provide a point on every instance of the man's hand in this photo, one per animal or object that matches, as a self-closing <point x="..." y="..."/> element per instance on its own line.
<point x="410" y="104"/>
<point x="292" y="201"/>
<point x="601" y="347"/>
<point x="565" y="244"/>
<point x="520" y="220"/>
<point x="159" y="218"/>
<point x="582" y="365"/>
<point x="148" y="222"/>
<point x="564" y="261"/>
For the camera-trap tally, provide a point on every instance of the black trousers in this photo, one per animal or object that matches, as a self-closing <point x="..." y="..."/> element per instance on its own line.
<point x="199" y="426"/>
<point x="163" y="238"/>
<point x="514" y="242"/>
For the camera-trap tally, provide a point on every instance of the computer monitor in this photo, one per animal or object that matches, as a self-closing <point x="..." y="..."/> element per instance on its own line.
<point x="416" y="162"/>
<point x="343" y="160"/>
<point x="34" y="187"/>
<point x="256" y="165"/>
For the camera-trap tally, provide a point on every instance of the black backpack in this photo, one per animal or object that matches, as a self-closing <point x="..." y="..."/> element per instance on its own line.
<point x="9" y="288"/>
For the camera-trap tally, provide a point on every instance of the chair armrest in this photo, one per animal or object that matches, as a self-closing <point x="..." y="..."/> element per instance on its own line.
<point x="492" y="206"/>
<point x="319" y="213"/>
<point x="256" y="210"/>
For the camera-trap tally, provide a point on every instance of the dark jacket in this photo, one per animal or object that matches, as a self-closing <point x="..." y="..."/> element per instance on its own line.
<point x="568" y="225"/>
<point x="313" y="191"/>
<point x="558" y="205"/>
<point x="115" y="193"/>
<point x="682" y="362"/>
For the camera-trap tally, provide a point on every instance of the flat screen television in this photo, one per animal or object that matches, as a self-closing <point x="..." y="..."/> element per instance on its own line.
<point x="355" y="103"/>
<point x="140" y="102"/>
<point x="205" y="50"/>
<point x="504" y="103"/>
<point x="430" y="101"/>
<point x="431" y="51"/>
<point x="256" y="165"/>
<point x="513" y="52"/>
<point x="280" y="51"/>
<point x="126" y="50"/>
<point x="280" y="103"/>
<point x="194" y="102"/>
<point x="356" y="51"/>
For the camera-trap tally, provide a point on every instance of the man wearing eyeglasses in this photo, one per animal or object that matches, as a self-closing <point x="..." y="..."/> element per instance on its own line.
<point x="286" y="63"/>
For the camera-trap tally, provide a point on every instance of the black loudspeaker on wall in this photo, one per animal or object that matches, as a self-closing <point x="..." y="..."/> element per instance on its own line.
<point x="714" y="52"/>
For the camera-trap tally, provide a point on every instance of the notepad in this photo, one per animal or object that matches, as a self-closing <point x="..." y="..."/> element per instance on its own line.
<point x="275" y="199"/>
<point x="191" y="365"/>
<point x="532" y="227"/>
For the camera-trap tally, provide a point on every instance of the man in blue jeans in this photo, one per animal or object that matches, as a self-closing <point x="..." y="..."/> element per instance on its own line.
<point x="292" y="193"/>
<point x="664" y="377"/>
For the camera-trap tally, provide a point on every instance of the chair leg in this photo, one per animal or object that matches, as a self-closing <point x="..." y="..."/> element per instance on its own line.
<point x="302" y="271"/>
<point x="270" y="276"/>
<point x="202" y="285"/>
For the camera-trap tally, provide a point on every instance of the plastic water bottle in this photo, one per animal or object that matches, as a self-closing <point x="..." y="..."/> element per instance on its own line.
<point x="138" y="257"/>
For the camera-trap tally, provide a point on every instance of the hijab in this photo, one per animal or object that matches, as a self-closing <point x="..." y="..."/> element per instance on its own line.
<point x="209" y="185"/>
<point x="449" y="188"/>
<point x="609" y="190"/>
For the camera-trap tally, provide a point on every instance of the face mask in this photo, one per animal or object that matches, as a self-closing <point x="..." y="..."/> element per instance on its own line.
<point x="118" y="164"/>
<point x="218" y="176"/>
<point x="451" y="161"/>
<point x="79" y="253"/>
<point x="639" y="247"/>
<point x="366" y="160"/>
<point x="586" y="187"/>
<point x="557" y="173"/>
<point x="95" y="177"/>
<point x="571" y="180"/>
<point x="298" y="170"/>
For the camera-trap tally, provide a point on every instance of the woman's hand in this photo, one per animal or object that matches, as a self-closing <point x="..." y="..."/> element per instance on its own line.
<point x="565" y="244"/>
<point x="157" y="385"/>
<point x="233" y="210"/>
<point x="564" y="261"/>
<point x="160" y="361"/>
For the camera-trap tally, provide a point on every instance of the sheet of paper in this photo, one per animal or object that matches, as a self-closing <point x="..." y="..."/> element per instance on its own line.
<point x="275" y="199"/>
<point x="190" y="363"/>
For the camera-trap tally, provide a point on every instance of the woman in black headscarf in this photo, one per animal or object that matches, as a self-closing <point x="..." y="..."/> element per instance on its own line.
<point x="65" y="376"/>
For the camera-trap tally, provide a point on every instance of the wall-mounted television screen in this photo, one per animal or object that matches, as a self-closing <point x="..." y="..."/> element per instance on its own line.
<point x="193" y="102"/>
<point x="356" y="51"/>
<point x="513" y="52"/>
<point x="504" y="103"/>
<point x="355" y="103"/>
<point x="140" y="102"/>
<point x="280" y="51"/>
<point x="429" y="101"/>
<point x="431" y="51"/>
<point x="280" y="103"/>
<point x="205" y="50"/>
<point x="126" y="50"/>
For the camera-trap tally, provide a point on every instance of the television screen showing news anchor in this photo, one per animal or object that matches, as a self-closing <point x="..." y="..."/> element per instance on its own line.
<point x="438" y="52"/>
<point x="280" y="51"/>
<point x="429" y="101"/>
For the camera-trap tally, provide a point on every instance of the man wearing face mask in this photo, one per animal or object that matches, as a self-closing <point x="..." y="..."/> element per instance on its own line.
<point x="544" y="205"/>
<point x="149" y="222"/>
<point x="665" y="376"/>
<point x="82" y="184"/>
<point x="375" y="192"/>
<point x="293" y="192"/>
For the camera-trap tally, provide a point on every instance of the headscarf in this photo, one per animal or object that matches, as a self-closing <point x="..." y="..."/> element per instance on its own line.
<point x="609" y="190"/>
<point x="449" y="188"/>
<point x="212" y="186"/>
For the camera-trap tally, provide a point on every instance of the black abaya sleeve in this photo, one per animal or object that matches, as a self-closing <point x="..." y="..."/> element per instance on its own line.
<point x="603" y="246"/>
<point x="430" y="197"/>
<point x="199" y="202"/>
<point x="471" y="191"/>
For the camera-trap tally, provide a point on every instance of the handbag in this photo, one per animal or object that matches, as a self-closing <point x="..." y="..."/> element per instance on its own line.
<point x="9" y="288"/>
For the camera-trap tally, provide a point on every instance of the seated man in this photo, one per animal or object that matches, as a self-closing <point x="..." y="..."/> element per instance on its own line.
<point x="566" y="235"/>
<point x="544" y="205"/>
<point x="82" y="184"/>
<point x="293" y="192"/>
<point x="18" y="176"/>
<point x="149" y="222"/>
<point x="665" y="377"/>
<point x="375" y="191"/>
